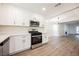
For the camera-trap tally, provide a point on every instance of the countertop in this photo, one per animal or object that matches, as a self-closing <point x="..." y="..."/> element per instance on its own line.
<point x="3" y="37"/>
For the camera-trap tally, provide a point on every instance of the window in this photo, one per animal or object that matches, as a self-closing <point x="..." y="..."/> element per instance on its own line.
<point x="77" y="29"/>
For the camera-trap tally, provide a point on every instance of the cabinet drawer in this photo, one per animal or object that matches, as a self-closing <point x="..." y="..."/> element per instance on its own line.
<point x="19" y="36"/>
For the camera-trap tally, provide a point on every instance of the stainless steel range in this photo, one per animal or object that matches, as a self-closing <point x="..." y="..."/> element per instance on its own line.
<point x="36" y="39"/>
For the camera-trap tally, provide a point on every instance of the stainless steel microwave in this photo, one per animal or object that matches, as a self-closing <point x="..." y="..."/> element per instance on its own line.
<point x="34" y="23"/>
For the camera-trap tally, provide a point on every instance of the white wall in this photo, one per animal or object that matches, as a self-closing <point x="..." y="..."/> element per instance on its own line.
<point x="60" y="29"/>
<point x="66" y="28"/>
<point x="54" y="29"/>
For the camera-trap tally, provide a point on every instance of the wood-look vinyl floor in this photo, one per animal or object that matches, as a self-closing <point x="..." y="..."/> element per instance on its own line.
<point x="57" y="46"/>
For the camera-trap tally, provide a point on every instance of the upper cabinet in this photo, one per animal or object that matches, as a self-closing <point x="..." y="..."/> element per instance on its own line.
<point x="21" y="17"/>
<point x="10" y="15"/>
<point x="13" y="15"/>
<point x="5" y="15"/>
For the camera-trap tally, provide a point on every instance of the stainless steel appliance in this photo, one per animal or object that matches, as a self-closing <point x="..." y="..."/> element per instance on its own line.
<point x="1" y="50"/>
<point x="34" y="23"/>
<point x="4" y="48"/>
<point x="36" y="39"/>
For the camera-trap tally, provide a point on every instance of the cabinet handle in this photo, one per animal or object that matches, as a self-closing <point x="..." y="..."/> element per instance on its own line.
<point x="14" y="21"/>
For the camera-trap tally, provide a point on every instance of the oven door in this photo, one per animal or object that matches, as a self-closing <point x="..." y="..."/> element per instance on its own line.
<point x="36" y="39"/>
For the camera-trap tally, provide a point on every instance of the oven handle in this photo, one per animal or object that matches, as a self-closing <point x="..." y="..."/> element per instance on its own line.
<point x="36" y="35"/>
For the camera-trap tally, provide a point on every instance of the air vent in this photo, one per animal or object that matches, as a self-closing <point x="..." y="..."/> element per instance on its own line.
<point x="58" y="4"/>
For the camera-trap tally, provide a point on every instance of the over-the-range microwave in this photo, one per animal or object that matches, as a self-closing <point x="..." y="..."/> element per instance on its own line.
<point x="34" y="23"/>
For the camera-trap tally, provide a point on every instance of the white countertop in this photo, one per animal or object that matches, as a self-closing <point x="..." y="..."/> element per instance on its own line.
<point x="5" y="36"/>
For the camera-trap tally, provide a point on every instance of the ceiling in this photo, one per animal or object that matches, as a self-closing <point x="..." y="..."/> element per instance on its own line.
<point x="51" y="9"/>
<point x="71" y="22"/>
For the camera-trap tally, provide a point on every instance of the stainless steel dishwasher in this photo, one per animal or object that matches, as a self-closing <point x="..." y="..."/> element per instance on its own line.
<point x="5" y="48"/>
<point x="1" y="50"/>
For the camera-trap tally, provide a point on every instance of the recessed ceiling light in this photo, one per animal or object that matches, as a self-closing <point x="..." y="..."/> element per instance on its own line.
<point x="43" y="9"/>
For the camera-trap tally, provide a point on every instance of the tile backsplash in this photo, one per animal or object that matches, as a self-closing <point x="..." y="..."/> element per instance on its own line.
<point x="16" y="29"/>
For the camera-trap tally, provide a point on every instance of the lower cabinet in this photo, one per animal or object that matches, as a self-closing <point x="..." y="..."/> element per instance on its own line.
<point x="19" y="43"/>
<point x="44" y="38"/>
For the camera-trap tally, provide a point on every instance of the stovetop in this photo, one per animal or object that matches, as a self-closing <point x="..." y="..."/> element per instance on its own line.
<point x="35" y="33"/>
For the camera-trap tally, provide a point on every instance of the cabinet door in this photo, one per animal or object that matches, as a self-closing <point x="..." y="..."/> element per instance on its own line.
<point x="27" y="22"/>
<point x="44" y="38"/>
<point x="5" y="18"/>
<point x="18" y="22"/>
<point x="6" y="15"/>
<point x="27" y="42"/>
<point x="11" y="45"/>
<point x="18" y="44"/>
<point x="41" y="24"/>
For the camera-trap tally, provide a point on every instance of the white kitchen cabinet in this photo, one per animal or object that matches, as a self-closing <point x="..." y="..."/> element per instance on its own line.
<point x="18" y="17"/>
<point x="26" y="22"/>
<point x="44" y="38"/>
<point x="10" y="15"/>
<point x="11" y="45"/>
<point x="41" y="24"/>
<point x="27" y="42"/>
<point x="13" y="15"/>
<point x="19" y="43"/>
<point x="15" y="44"/>
<point x="5" y="16"/>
